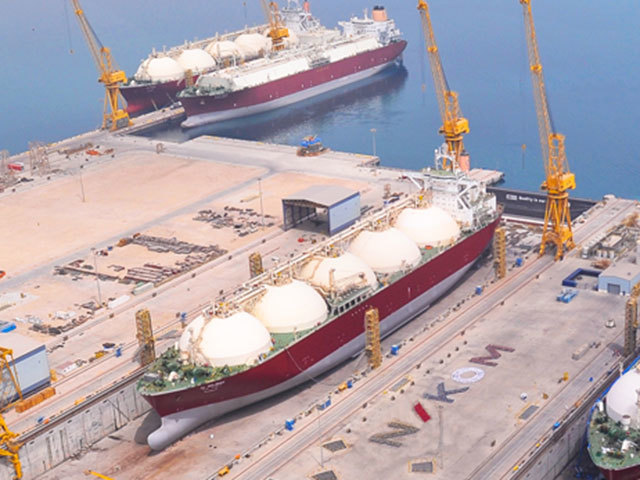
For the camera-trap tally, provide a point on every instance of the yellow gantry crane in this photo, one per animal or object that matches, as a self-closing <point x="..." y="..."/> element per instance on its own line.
<point x="277" y="31"/>
<point x="10" y="385"/>
<point x="114" y="116"/>
<point x="557" y="219"/>
<point x="9" y="447"/>
<point x="454" y="125"/>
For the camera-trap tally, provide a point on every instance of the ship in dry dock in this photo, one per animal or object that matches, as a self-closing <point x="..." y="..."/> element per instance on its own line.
<point x="304" y="317"/>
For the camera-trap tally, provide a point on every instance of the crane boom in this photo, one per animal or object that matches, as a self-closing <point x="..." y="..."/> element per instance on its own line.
<point x="114" y="116"/>
<point x="277" y="31"/>
<point x="559" y="179"/>
<point x="454" y="125"/>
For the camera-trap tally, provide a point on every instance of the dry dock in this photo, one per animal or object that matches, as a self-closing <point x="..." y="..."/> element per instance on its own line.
<point x="496" y="370"/>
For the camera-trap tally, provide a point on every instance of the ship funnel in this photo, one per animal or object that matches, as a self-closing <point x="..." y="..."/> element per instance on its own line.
<point x="379" y="14"/>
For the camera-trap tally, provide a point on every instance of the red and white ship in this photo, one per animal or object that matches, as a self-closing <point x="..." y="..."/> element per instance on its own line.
<point x="301" y="319"/>
<point x="162" y="75"/>
<point x="316" y="60"/>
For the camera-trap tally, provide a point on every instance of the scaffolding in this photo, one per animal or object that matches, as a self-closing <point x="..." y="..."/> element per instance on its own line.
<point x="372" y="336"/>
<point x="255" y="264"/>
<point x="500" y="253"/>
<point x="144" y="334"/>
<point x="631" y="322"/>
<point x="9" y="378"/>
<point x="38" y="158"/>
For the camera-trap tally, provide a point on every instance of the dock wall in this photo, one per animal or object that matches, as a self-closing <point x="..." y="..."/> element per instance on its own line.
<point x="74" y="432"/>
<point x="555" y="451"/>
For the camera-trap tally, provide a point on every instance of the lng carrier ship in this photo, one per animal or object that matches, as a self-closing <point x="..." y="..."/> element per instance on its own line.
<point x="304" y="317"/>
<point x="252" y="71"/>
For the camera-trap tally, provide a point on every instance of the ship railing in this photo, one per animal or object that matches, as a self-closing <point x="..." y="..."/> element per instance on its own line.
<point x="255" y="286"/>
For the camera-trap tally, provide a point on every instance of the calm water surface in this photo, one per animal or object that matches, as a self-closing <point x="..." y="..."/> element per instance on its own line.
<point x="589" y="50"/>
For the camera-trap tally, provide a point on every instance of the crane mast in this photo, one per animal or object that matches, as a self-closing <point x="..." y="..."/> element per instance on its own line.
<point x="557" y="218"/>
<point x="277" y="31"/>
<point x="454" y="125"/>
<point x="114" y="116"/>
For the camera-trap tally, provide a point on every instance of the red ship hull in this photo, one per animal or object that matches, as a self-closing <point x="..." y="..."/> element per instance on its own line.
<point x="204" y="109"/>
<point x="148" y="97"/>
<point x="631" y="473"/>
<point x="336" y="341"/>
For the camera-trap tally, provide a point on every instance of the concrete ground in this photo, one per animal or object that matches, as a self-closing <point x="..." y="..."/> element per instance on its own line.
<point x="113" y="210"/>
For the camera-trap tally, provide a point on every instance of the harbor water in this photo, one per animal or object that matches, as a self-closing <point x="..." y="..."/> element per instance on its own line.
<point x="49" y="88"/>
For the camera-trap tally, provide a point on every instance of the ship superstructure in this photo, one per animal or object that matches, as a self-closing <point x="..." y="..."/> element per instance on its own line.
<point x="306" y="316"/>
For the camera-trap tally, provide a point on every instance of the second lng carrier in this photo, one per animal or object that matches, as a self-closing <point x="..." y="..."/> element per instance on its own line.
<point x="304" y="317"/>
<point x="243" y="73"/>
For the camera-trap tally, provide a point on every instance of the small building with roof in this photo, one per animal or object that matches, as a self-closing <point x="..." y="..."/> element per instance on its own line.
<point x="341" y="204"/>
<point x="619" y="278"/>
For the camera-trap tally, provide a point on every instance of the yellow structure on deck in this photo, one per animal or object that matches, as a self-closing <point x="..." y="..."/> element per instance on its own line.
<point x="454" y="125"/>
<point x="372" y="335"/>
<point x="500" y="253"/>
<point x="9" y="447"/>
<point x="255" y="264"/>
<point x="277" y="31"/>
<point x="114" y="116"/>
<point x="144" y="334"/>
<point x="557" y="219"/>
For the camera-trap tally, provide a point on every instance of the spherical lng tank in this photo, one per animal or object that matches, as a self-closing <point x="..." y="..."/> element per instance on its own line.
<point x="237" y="339"/>
<point x="159" y="69"/>
<point x="622" y="398"/>
<point x="223" y="50"/>
<point x="431" y="226"/>
<point x="386" y="251"/>
<point x="252" y="45"/>
<point x="339" y="273"/>
<point x="196" y="60"/>
<point x="294" y="306"/>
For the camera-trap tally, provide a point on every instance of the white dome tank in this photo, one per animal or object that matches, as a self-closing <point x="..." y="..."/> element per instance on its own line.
<point x="622" y="397"/>
<point x="159" y="69"/>
<point x="430" y="226"/>
<point x="252" y="45"/>
<point x="223" y="49"/>
<point x="348" y="270"/>
<point x="292" y="306"/>
<point x="196" y="60"/>
<point x="235" y="340"/>
<point x="386" y="251"/>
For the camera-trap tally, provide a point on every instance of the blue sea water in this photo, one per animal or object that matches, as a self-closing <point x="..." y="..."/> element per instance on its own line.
<point x="589" y="51"/>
